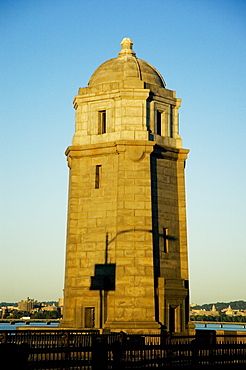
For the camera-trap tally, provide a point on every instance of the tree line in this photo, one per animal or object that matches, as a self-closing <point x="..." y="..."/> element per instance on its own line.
<point x="220" y="318"/>
<point x="235" y="305"/>
<point x="37" y="315"/>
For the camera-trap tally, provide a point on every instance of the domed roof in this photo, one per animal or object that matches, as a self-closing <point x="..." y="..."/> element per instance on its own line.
<point x="126" y="66"/>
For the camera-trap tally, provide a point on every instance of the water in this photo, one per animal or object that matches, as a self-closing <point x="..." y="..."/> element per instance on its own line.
<point x="8" y="326"/>
<point x="226" y="327"/>
<point x="230" y="327"/>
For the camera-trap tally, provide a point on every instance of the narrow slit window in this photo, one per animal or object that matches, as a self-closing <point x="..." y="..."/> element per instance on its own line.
<point x="165" y="240"/>
<point x="171" y="121"/>
<point x="98" y="176"/>
<point x="158" y="122"/>
<point x="102" y="121"/>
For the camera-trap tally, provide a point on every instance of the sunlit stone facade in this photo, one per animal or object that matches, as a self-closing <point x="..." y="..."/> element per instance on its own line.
<point x="126" y="257"/>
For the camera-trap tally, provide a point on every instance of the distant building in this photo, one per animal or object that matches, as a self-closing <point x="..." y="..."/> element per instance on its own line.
<point x="228" y="311"/>
<point x="52" y="307"/>
<point x="213" y="312"/>
<point x="3" y="310"/>
<point x="60" y="305"/>
<point x="60" y="302"/>
<point x="12" y="308"/>
<point x="27" y="305"/>
<point x="240" y="313"/>
<point x="203" y="312"/>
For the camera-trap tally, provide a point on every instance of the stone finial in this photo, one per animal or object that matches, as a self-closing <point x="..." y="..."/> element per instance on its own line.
<point x="126" y="47"/>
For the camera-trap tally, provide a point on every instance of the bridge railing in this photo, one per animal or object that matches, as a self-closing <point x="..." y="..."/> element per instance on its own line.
<point x="92" y="351"/>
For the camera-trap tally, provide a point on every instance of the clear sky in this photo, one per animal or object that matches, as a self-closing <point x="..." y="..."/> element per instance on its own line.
<point x="50" y="48"/>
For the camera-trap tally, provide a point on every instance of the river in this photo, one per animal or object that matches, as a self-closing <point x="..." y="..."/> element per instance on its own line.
<point x="230" y="327"/>
<point x="226" y="327"/>
<point x="8" y="326"/>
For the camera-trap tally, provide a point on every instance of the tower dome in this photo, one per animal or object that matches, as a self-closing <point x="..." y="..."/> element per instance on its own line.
<point x="126" y="67"/>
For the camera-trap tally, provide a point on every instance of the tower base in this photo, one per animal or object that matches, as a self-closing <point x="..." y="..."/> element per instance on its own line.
<point x="134" y="327"/>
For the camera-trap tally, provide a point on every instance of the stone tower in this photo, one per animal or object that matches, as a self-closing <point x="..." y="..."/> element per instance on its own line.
<point x="126" y="257"/>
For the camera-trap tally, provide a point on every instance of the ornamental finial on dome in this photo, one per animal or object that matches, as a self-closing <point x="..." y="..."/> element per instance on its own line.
<point x="126" y="47"/>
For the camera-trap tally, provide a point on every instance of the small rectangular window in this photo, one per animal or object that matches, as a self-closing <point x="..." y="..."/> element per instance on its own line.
<point x="165" y="240"/>
<point x="102" y="122"/>
<point x="89" y="317"/>
<point x="98" y="176"/>
<point x="158" y="122"/>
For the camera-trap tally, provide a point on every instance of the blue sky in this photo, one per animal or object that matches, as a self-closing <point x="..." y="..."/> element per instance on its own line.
<point x="50" y="48"/>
